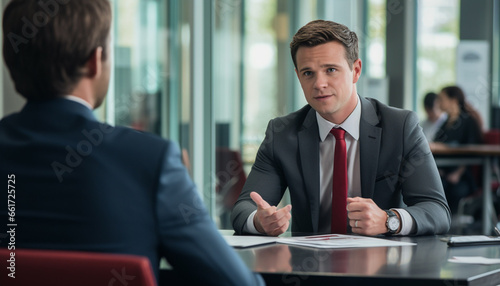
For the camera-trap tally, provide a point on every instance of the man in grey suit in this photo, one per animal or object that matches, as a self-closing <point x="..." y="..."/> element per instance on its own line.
<point x="393" y="185"/>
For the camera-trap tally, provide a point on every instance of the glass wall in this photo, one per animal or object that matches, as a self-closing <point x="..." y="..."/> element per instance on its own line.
<point x="254" y="79"/>
<point x="227" y="73"/>
<point x="437" y="41"/>
<point x="262" y="96"/>
<point x="373" y="81"/>
<point x="376" y="22"/>
<point x="495" y="100"/>
<point x="211" y="74"/>
<point x="140" y="64"/>
<point x="151" y="85"/>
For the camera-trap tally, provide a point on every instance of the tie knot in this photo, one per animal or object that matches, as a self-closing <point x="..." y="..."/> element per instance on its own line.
<point x="338" y="133"/>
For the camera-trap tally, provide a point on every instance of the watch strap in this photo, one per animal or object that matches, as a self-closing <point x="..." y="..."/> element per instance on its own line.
<point x="391" y="214"/>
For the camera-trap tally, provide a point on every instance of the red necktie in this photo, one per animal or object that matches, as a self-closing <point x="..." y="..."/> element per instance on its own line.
<point x="339" y="194"/>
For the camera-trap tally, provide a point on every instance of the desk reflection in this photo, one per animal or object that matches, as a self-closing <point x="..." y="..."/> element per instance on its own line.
<point x="273" y="259"/>
<point x="364" y="261"/>
<point x="425" y="263"/>
<point x="281" y="258"/>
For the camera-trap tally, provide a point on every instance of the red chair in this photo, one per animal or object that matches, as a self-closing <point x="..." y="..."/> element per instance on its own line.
<point x="230" y="175"/>
<point x="492" y="137"/>
<point x="230" y="180"/>
<point x="55" y="267"/>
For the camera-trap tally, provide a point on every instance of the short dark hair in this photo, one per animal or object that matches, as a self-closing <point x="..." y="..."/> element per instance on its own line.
<point x="455" y="92"/>
<point x="430" y="100"/>
<point x="47" y="43"/>
<point x="319" y="32"/>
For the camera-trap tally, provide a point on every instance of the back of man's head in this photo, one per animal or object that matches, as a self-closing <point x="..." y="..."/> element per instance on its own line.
<point x="46" y="43"/>
<point x="430" y="100"/>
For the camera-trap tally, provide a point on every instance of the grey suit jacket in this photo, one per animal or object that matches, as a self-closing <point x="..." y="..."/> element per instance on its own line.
<point x="397" y="168"/>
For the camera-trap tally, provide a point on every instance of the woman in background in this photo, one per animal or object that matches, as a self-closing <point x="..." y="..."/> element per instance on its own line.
<point x="463" y="126"/>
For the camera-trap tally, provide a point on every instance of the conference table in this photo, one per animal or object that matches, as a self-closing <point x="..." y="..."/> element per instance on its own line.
<point x="483" y="155"/>
<point x="425" y="263"/>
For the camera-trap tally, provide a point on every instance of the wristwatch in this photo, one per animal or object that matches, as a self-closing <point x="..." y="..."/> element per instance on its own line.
<point x="392" y="223"/>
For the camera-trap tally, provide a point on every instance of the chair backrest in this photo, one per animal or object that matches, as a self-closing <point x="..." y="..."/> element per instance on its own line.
<point x="54" y="267"/>
<point x="492" y="137"/>
<point x="230" y="175"/>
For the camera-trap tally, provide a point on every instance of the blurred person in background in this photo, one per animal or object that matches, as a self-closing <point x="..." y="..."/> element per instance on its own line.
<point x="435" y="116"/>
<point x="461" y="127"/>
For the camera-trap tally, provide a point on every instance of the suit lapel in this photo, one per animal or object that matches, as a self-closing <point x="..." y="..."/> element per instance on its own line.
<point x="369" y="140"/>
<point x="308" y="142"/>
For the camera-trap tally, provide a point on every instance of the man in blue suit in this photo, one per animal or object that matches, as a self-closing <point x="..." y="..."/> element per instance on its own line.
<point x="84" y="185"/>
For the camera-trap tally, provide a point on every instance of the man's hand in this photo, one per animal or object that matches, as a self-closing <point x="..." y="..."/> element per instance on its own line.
<point x="365" y="217"/>
<point x="269" y="219"/>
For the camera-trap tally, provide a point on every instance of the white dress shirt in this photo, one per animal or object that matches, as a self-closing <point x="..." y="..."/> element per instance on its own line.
<point x="326" y="154"/>
<point x="431" y="128"/>
<point x="79" y="100"/>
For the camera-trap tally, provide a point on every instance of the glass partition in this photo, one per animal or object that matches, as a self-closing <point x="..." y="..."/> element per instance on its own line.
<point x="140" y="64"/>
<point x="210" y="75"/>
<point x="254" y="80"/>
<point x="437" y="40"/>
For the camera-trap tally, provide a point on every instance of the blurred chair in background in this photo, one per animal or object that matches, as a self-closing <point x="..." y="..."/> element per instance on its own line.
<point x="469" y="208"/>
<point x="230" y="180"/>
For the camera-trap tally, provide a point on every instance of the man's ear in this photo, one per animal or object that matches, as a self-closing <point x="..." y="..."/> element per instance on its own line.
<point x="94" y="64"/>
<point x="356" y="67"/>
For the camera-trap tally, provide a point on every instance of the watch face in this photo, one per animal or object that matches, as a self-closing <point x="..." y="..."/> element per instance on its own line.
<point x="393" y="223"/>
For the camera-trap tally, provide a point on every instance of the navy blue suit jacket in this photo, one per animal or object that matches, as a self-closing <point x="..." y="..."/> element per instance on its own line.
<point x="84" y="185"/>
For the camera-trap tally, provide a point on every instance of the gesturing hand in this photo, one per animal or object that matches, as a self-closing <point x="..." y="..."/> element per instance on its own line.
<point x="269" y="219"/>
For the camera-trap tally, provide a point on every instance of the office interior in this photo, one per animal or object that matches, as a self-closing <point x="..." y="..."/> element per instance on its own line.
<point x="210" y="74"/>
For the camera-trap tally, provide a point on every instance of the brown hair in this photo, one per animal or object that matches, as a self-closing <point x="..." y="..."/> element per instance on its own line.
<point x="455" y="92"/>
<point x="47" y="43"/>
<point x="319" y="32"/>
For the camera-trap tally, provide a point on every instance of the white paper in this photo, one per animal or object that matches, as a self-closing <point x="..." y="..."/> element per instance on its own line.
<point x="249" y="240"/>
<point x="316" y="241"/>
<point x="473" y="238"/>
<point x="341" y="241"/>
<point x="474" y="260"/>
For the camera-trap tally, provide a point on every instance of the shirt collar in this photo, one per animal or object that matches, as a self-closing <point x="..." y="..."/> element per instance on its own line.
<point x="350" y="125"/>
<point x="79" y="100"/>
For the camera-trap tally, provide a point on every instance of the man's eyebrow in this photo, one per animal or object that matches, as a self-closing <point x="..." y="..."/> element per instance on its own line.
<point x="322" y="66"/>
<point x="330" y="66"/>
<point x="304" y="69"/>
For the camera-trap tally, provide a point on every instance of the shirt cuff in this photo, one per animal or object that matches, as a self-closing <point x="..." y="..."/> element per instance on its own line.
<point x="249" y="227"/>
<point x="407" y="222"/>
